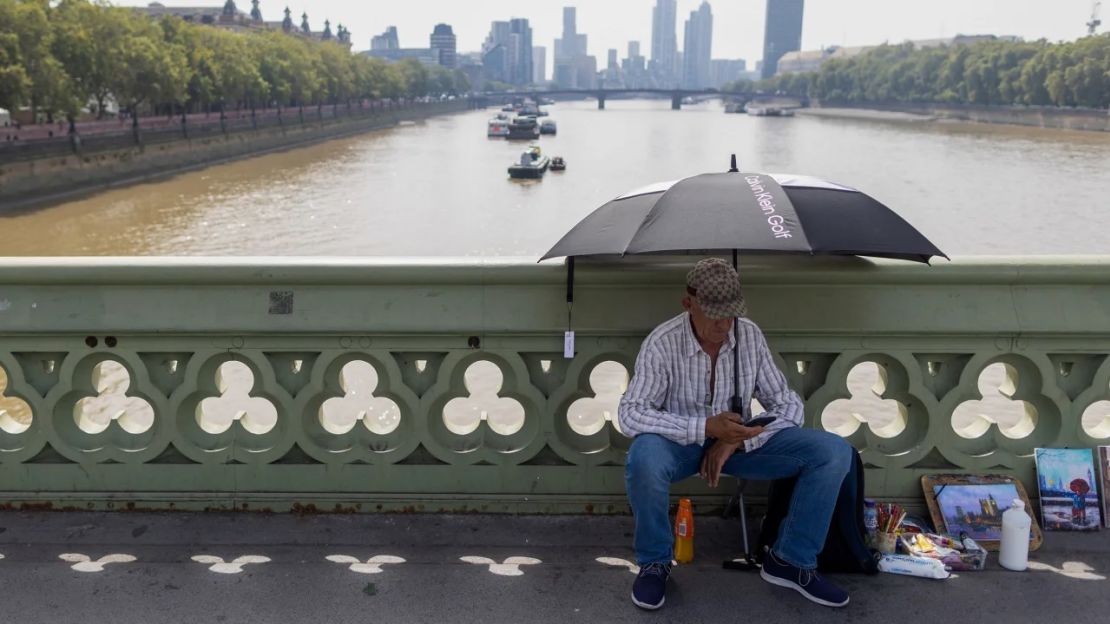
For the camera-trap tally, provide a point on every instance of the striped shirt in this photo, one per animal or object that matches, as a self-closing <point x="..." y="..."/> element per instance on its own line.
<point x="669" y="393"/>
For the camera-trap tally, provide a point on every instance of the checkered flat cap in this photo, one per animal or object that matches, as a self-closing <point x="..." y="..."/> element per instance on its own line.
<point x="716" y="286"/>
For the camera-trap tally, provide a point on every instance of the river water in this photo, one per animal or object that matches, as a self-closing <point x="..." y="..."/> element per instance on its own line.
<point x="440" y="188"/>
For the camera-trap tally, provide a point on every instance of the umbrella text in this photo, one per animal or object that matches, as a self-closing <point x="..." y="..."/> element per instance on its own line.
<point x="767" y="205"/>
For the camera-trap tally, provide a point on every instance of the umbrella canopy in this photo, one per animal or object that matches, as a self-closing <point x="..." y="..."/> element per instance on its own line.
<point x="746" y="212"/>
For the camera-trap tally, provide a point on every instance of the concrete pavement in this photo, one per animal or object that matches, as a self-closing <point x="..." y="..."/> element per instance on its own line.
<point x="163" y="567"/>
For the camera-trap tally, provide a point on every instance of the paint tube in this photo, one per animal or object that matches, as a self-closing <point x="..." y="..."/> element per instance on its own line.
<point x="913" y="566"/>
<point x="970" y="544"/>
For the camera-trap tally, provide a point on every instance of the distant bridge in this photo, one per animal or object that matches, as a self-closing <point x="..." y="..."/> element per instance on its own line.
<point x="601" y="94"/>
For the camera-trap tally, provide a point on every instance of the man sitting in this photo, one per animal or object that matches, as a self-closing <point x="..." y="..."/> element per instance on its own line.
<point x="677" y="409"/>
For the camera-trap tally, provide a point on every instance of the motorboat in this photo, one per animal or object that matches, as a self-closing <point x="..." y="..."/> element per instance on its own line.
<point x="531" y="108"/>
<point x="547" y="126"/>
<point x="558" y="164"/>
<point x="497" y="128"/>
<point x="532" y="164"/>
<point x="768" y="111"/>
<point x="523" y="128"/>
<point x="734" y="107"/>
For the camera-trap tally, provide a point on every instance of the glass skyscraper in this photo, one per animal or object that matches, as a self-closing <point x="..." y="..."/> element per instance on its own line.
<point x="664" y="43"/>
<point x="697" y="48"/>
<point x="783" y="32"/>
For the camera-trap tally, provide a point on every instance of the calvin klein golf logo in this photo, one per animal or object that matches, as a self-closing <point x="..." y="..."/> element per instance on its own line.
<point x="767" y="204"/>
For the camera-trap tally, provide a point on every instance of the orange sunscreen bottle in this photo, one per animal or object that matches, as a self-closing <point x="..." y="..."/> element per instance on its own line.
<point x="684" y="532"/>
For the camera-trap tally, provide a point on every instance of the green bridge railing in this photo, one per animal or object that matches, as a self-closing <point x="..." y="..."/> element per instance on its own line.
<point x="362" y="385"/>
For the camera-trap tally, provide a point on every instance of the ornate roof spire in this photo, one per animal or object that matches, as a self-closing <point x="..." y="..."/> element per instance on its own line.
<point x="287" y="23"/>
<point x="304" y="23"/>
<point x="256" y="13"/>
<point x="327" y="30"/>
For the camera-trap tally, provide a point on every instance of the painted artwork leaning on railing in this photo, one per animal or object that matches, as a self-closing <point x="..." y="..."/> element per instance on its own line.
<point x="427" y="385"/>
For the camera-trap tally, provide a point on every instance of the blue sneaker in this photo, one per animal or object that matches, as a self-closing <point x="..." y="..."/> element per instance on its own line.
<point x="648" y="592"/>
<point x="806" y="582"/>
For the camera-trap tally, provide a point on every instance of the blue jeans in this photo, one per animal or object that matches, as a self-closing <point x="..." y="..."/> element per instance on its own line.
<point x="819" y="459"/>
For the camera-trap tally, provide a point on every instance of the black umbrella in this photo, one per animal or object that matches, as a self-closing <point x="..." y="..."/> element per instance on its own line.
<point x="749" y="213"/>
<point x="734" y="212"/>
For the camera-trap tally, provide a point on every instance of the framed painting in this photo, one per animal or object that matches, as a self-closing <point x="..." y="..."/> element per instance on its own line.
<point x="1104" y="471"/>
<point x="972" y="505"/>
<point x="1069" y="489"/>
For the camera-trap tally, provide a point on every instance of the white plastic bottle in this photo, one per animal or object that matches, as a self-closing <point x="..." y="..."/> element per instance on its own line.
<point x="1013" y="554"/>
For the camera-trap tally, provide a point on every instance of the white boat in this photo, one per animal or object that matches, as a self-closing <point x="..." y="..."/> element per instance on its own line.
<point x="498" y="128"/>
<point x="769" y="111"/>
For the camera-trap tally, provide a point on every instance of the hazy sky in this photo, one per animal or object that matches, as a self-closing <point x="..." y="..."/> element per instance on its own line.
<point x="737" y="24"/>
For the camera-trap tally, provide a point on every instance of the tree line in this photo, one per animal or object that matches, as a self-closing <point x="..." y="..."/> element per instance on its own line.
<point x="993" y="72"/>
<point x="65" y="57"/>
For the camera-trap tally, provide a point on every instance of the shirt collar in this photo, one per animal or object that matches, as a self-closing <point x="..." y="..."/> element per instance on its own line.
<point x="691" y="341"/>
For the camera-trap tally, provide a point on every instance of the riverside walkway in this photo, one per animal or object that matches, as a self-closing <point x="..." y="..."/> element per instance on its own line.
<point x="302" y="570"/>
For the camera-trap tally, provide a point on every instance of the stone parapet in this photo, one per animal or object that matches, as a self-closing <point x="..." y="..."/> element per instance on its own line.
<point x="440" y="384"/>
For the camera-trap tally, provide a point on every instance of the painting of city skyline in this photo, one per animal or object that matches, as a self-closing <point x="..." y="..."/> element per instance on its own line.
<point x="1069" y="489"/>
<point x="975" y="509"/>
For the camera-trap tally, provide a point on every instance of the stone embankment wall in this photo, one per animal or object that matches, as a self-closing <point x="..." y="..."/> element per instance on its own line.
<point x="1039" y="116"/>
<point x="33" y="179"/>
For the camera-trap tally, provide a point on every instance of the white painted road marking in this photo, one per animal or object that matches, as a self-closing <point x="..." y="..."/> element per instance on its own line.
<point x="235" y="566"/>
<point x="84" y="563"/>
<point x="372" y="566"/>
<point x="511" y="566"/>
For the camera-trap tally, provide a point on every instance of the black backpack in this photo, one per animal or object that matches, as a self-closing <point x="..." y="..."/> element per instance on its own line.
<point x="845" y="546"/>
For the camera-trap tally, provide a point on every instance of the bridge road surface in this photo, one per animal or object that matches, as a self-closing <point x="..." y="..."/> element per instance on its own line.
<point x="131" y="567"/>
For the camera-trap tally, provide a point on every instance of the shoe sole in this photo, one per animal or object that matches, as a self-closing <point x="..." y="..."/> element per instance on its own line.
<point x="643" y="605"/>
<point x="774" y="580"/>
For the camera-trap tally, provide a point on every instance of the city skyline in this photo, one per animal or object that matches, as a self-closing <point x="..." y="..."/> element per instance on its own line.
<point x="738" y="24"/>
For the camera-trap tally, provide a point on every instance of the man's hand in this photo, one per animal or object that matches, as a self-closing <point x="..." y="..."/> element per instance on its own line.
<point x="714" y="459"/>
<point x="726" y="427"/>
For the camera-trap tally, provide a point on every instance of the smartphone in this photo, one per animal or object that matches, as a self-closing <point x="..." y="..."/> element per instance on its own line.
<point x="762" y="421"/>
